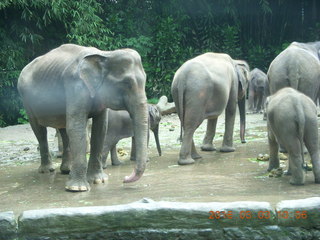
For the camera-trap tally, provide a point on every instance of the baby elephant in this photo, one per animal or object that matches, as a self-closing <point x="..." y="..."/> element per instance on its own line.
<point x="120" y="126"/>
<point x="292" y="122"/>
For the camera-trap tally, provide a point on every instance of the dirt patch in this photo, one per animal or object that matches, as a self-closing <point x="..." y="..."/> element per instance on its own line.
<point x="216" y="177"/>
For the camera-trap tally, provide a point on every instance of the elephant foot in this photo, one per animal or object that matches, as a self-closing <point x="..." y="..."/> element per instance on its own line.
<point x="77" y="186"/>
<point x="65" y="168"/>
<point x="296" y="182"/>
<point x="317" y="180"/>
<point x="117" y="163"/>
<point x="195" y="156"/>
<point x="97" y="178"/>
<point x="208" y="147"/>
<point x="243" y="141"/>
<point x="287" y="173"/>
<point x="186" y="161"/>
<point x="46" y="168"/>
<point x="227" y="149"/>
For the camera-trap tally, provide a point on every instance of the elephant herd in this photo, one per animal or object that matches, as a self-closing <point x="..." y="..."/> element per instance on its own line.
<point x="70" y="84"/>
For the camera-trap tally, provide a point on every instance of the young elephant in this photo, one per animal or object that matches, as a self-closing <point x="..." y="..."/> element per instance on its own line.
<point x="292" y="121"/>
<point x="258" y="90"/>
<point x="120" y="126"/>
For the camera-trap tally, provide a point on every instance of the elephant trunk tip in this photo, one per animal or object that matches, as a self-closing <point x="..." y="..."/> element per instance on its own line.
<point x="135" y="176"/>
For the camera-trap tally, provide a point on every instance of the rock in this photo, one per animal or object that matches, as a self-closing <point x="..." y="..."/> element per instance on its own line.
<point x="263" y="157"/>
<point x="276" y="172"/>
<point x="26" y="149"/>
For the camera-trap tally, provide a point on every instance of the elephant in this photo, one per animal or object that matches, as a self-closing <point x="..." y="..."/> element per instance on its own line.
<point x="120" y="126"/>
<point x="292" y="122"/>
<point x="258" y="90"/>
<point x="202" y="88"/>
<point x="297" y="66"/>
<point x="68" y="85"/>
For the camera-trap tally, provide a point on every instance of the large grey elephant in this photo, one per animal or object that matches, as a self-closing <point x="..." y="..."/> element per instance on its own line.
<point x="297" y="66"/>
<point x="292" y="122"/>
<point x="70" y="84"/>
<point x="120" y="126"/>
<point x="258" y="90"/>
<point x="203" y="88"/>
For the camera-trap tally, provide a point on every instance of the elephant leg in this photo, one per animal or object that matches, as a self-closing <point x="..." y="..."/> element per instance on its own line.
<point x="185" y="151"/>
<point x="41" y="135"/>
<point x="227" y="144"/>
<point x="311" y="142"/>
<point x="251" y="100"/>
<point x="295" y="162"/>
<point x="273" y="148"/>
<point x="114" y="156"/>
<point x="60" y="144"/>
<point x="207" y="144"/>
<point x="95" y="172"/>
<point x="76" y="131"/>
<point x="66" y="154"/>
<point x="194" y="153"/>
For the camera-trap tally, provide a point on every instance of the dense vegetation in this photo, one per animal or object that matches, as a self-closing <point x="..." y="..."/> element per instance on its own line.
<point x="166" y="33"/>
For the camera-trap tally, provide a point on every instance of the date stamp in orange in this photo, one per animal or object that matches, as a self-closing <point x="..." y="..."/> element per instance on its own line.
<point x="247" y="215"/>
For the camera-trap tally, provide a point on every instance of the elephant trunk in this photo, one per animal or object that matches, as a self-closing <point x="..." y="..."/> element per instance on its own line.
<point x="155" y="131"/>
<point x="242" y="111"/>
<point x="139" y="115"/>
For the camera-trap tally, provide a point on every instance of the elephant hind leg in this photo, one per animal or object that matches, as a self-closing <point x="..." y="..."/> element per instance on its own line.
<point x="187" y="148"/>
<point x="295" y="152"/>
<point x="311" y="142"/>
<point x="207" y="143"/>
<point x="41" y="135"/>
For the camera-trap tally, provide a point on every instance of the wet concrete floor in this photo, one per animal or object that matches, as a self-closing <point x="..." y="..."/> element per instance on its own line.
<point x="216" y="177"/>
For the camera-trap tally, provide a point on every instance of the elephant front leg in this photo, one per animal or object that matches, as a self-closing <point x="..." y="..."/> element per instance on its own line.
<point x="95" y="172"/>
<point x="76" y="131"/>
<point x="66" y="154"/>
<point x="207" y="143"/>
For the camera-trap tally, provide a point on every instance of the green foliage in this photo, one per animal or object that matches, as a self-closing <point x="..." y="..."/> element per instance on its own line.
<point x="166" y="34"/>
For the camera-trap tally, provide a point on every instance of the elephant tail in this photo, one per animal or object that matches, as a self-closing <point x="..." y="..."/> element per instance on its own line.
<point x="300" y="127"/>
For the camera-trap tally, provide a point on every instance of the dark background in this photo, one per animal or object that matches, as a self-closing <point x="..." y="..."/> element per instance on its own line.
<point x="166" y="33"/>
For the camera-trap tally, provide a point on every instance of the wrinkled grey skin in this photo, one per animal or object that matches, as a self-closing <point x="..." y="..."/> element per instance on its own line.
<point x="292" y="122"/>
<point x="70" y="84"/>
<point x="258" y="90"/>
<point x="120" y="126"/>
<point x="297" y="66"/>
<point x="203" y="88"/>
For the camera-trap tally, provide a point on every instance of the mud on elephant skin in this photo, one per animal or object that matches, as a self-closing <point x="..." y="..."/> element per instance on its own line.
<point x="292" y="122"/>
<point x="203" y="88"/>
<point x="297" y="66"/>
<point x="120" y="126"/>
<point x="72" y="83"/>
<point x="258" y="90"/>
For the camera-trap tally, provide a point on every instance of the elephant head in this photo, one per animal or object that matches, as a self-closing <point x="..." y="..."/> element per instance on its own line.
<point x="154" y="121"/>
<point x="116" y="80"/>
<point x="243" y="75"/>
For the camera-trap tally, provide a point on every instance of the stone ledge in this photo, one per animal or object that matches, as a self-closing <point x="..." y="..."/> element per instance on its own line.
<point x="168" y="220"/>
<point x="8" y="225"/>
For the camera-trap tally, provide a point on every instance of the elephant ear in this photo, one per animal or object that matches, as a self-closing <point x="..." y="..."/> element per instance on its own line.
<point x="92" y="70"/>
<point x="243" y="74"/>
